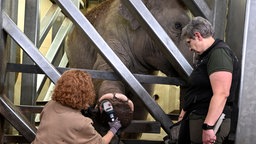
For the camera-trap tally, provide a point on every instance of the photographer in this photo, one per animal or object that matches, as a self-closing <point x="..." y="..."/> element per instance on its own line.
<point x="61" y="120"/>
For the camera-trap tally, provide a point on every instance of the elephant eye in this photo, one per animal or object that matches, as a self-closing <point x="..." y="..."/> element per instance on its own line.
<point x="178" y="26"/>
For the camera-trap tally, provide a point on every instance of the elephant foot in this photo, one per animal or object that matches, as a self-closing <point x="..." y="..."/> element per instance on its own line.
<point x="118" y="96"/>
<point x="123" y="108"/>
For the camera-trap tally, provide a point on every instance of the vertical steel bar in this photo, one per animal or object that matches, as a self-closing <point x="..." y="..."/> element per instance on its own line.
<point x="31" y="29"/>
<point x="234" y="37"/>
<point x="11" y="7"/>
<point x="219" y="21"/>
<point x="246" y="128"/>
<point x="3" y="58"/>
<point x="1" y="69"/>
<point x="235" y="24"/>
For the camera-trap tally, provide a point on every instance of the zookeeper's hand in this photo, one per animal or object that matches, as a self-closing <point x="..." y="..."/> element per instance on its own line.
<point x="208" y="136"/>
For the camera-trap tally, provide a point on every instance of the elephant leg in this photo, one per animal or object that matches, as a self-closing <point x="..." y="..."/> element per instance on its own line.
<point x="140" y="111"/>
<point x="110" y="87"/>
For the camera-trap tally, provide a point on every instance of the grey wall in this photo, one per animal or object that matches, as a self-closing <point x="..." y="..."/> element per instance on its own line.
<point x="246" y="128"/>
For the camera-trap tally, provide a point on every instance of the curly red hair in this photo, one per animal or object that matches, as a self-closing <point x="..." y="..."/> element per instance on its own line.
<point x="74" y="89"/>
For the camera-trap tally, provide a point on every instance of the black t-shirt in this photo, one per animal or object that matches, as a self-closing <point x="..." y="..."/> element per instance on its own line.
<point x="199" y="92"/>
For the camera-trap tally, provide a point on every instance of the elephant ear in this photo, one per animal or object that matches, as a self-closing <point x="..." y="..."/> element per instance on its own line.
<point x="124" y="12"/>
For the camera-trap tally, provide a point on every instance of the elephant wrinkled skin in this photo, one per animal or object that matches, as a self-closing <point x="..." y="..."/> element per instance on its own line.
<point x="130" y="42"/>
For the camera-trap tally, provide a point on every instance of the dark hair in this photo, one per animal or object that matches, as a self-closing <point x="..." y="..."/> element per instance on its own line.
<point x="74" y="89"/>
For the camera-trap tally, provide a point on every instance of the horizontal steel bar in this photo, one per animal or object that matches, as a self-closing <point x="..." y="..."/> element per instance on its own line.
<point x="145" y="79"/>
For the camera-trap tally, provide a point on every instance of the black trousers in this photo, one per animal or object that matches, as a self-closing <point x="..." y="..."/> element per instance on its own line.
<point x="195" y="129"/>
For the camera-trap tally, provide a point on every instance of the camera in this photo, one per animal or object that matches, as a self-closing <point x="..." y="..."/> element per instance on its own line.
<point x="108" y="109"/>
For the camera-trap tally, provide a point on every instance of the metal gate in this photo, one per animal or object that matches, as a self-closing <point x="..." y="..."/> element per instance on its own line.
<point x="219" y="12"/>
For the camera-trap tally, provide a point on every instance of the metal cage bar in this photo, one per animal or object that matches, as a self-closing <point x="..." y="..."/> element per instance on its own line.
<point x="77" y="17"/>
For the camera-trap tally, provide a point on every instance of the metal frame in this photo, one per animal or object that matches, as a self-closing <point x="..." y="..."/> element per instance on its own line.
<point x="246" y="121"/>
<point x="10" y="27"/>
<point x="11" y="7"/>
<point x="3" y="51"/>
<point x="31" y="30"/>
<point x="54" y="48"/>
<point x="77" y="17"/>
<point x="197" y="7"/>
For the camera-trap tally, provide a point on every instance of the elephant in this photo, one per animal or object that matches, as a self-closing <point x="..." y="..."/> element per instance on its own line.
<point x="130" y="42"/>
